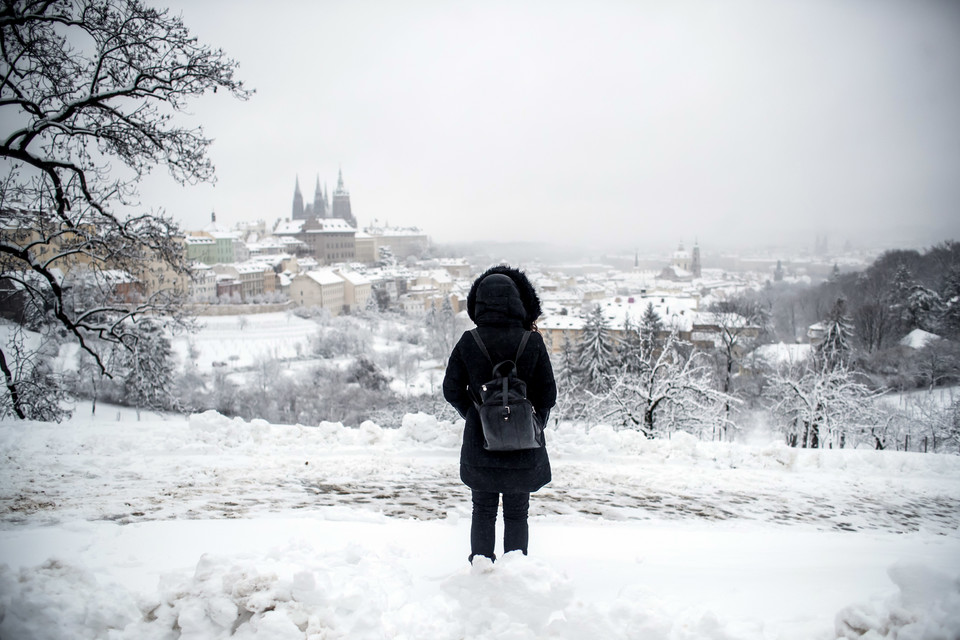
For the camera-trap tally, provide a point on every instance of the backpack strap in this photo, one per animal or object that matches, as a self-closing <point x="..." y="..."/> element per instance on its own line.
<point x="483" y="347"/>
<point x="523" y="345"/>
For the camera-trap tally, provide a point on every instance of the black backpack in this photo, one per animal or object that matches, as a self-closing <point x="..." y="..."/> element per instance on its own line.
<point x="509" y="420"/>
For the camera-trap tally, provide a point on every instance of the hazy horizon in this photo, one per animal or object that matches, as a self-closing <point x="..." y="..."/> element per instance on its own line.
<point x="611" y="125"/>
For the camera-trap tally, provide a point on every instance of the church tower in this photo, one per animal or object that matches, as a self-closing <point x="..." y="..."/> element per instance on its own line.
<point x="341" y="203"/>
<point x="298" y="213"/>
<point x="695" y="267"/>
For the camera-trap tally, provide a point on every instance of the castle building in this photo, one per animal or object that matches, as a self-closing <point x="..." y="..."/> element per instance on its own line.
<point x="327" y="233"/>
<point x="320" y="208"/>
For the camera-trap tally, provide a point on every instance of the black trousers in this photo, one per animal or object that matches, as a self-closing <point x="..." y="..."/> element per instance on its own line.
<point x="483" y="527"/>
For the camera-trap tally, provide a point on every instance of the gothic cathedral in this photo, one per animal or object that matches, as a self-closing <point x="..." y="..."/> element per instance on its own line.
<point x="321" y="208"/>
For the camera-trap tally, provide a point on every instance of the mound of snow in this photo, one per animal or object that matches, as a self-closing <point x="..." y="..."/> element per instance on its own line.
<point x="424" y="428"/>
<point x="927" y="607"/>
<point x="58" y="600"/>
<point x="211" y="427"/>
<point x="290" y="594"/>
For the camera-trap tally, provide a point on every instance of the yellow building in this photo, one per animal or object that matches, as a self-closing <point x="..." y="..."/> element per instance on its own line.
<point x="320" y="288"/>
<point x="356" y="290"/>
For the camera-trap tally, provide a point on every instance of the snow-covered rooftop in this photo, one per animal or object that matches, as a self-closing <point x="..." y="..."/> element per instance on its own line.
<point x="918" y="339"/>
<point x="354" y="278"/>
<point x="324" y="276"/>
<point x="332" y="225"/>
<point x="561" y="322"/>
<point x="224" y="235"/>
<point x="289" y="227"/>
<point x="782" y="353"/>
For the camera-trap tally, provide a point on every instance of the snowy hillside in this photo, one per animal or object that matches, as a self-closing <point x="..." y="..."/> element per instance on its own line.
<point x="207" y="527"/>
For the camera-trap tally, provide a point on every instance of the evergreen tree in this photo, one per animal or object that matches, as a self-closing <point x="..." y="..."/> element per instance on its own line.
<point x="950" y="299"/>
<point x="147" y="367"/>
<point x="837" y="345"/>
<point x="631" y="348"/>
<point x="595" y="354"/>
<point x="902" y="282"/>
<point x="566" y="365"/>
<point x="924" y="308"/>
<point x="651" y="326"/>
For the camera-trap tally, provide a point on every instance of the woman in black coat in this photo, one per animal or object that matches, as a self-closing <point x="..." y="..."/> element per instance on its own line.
<point x="504" y="305"/>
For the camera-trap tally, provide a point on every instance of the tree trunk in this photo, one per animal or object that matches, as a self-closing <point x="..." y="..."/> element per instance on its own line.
<point x="12" y="387"/>
<point x="648" y="422"/>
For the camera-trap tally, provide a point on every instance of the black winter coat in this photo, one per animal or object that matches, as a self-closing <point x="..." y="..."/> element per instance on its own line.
<point x="499" y="316"/>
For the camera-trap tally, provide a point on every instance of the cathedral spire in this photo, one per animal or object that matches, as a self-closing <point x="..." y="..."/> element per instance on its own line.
<point x="319" y="205"/>
<point x="297" y="213"/>
<point x="341" y="203"/>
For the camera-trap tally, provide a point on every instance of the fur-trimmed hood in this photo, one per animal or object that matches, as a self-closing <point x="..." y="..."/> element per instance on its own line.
<point x="528" y="295"/>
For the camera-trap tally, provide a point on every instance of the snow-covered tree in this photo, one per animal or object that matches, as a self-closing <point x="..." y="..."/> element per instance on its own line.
<point x="651" y="326"/>
<point x="565" y="364"/>
<point x="837" y="345"/>
<point x="874" y="316"/>
<point x="950" y="301"/>
<point x="443" y="329"/>
<point x="596" y="352"/>
<point x="145" y="369"/>
<point x="88" y="94"/>
<point x="819" y="404"/>
<point x="371" y="306"/>
<point x="34" y="384"/>
<point x="632" y="348"/>
<point x="367" y="374"/>
<point x="916" y="306"/>
<point x="937" y="363"/>
<point x="671" y="391"/>
<point x="740" y="323"/>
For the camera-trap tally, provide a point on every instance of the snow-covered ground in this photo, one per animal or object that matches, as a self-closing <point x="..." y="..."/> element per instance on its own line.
<point x="206" y="527"/>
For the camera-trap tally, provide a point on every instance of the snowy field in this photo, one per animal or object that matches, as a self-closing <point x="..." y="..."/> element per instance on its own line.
<point x="206" y="527"/>
<point x="232" y="342"/>
<point x="235" y="344"/>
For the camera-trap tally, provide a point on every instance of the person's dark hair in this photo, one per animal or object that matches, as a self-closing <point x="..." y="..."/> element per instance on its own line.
<point x="528" y="295"/>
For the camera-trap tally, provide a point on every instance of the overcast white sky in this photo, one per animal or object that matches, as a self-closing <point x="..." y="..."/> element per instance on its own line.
<point x="638" y="123"/>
